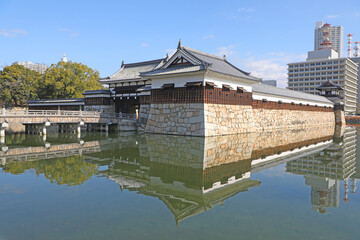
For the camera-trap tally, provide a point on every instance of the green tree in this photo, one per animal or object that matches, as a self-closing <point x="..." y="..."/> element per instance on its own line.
<point x="68" y="80"/>
<point x="63" y="171"/>
<point x="18" y="85"/>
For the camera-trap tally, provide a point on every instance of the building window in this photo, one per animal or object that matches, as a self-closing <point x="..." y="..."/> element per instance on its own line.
<point x="168" y="86"/>
<point x="226" y="88"/>
<point x="210" y="85"/>
<point x="240" y="90"/>
<point x="192" y="85"/>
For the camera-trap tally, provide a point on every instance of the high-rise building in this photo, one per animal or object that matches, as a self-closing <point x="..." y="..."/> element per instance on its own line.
<point x="357" y="60"/>
<point x="269" y="82"/>
<point x="40" y="68"/>
<point x="322" y="66"/>
<point x="336" y="37"/>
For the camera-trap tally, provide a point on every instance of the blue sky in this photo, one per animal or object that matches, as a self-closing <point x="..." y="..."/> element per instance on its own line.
<point x="257" y="36"/>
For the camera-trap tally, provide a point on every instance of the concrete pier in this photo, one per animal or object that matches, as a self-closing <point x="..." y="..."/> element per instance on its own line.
<point x="3" y="126"/>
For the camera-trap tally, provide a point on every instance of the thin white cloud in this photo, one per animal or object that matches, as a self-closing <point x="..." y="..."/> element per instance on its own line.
<point x="333" y="16"/>
<point x="12" y="32"/>
<point x="69" y="31"/>
<point x="64" y="29"/>
<point x="246" y="9"/>
<point x="75" y="34"/>
<point x="273" y="67"/>
<point x="210" y="36"/>
<point x="226" y="50"/>
<point x="145" y="44"/>
<point x="170" y="51"/>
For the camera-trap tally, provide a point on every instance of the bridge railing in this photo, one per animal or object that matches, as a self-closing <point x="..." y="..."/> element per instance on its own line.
<point x="42" y="113"/>
<point x="119" y="115"/>
<point x="33" y="113"/>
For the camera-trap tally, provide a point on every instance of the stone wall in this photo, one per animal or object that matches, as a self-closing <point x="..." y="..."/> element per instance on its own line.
<point x="233" y="119"/>
<point x="203" y="111"/>
<point x="339" y="117"/>
<point x="143" y="116"/>
<point x="196" y="119"/>
<point x="176" y="119"/>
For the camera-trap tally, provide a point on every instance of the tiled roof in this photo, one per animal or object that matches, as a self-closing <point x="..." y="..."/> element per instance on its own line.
<point x="101" y="91"/>
<point x="174" y="70"/>
<point x="64" y="101"/>
<point x="131" y="71"/>
<point x="204" y="61"/>
<point x="329" y="85"/>
<point x="220" y="65"/>
<point x="266" y="89"/>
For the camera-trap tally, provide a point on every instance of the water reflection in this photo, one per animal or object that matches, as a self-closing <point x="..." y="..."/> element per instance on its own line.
<point x="324" y="170"/>
<point x="189" y="174"/>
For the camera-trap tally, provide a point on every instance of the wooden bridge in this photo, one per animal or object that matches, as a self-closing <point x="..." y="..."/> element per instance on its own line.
<point x="36" y="121"/>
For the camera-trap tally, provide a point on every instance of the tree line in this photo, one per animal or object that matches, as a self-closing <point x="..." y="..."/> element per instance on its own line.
<point x="62" y="80"/>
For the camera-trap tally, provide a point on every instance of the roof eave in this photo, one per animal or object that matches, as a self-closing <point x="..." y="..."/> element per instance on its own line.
<point x="299" y="98"/>
<point x="114" y="81"/>
<point x="242" y="78"/>
<point x="175" y="74"/>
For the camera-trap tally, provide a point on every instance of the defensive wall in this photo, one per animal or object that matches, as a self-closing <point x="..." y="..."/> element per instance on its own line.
<point x="205" y="111"/>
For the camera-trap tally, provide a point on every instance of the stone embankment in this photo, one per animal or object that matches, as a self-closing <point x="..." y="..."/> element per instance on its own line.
<point x="199" y="119"/>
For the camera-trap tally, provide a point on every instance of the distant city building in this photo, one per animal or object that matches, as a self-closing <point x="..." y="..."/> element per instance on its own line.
<point x="322" y="66"/>
<point x="40" y="68"/>
<point x="357" y="60"/>
<point x="336" y="37"/>
<point x="269" y="82"/>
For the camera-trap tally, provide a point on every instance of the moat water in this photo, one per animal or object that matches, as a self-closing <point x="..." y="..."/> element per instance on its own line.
<point x="274" y="185"/>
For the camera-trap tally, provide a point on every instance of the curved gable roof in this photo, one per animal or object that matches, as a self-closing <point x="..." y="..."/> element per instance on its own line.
<point x="132" y="71"/>
<point x="201" y="61"/>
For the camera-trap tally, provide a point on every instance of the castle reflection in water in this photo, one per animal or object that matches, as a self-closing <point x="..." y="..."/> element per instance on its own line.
<point x="193" y="174"/>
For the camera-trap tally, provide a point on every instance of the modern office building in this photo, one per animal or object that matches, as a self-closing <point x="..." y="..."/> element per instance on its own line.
<point x="336" y="37"/>
<point x="357" y="60"/>
<point x="322" y="66"/>
<point x="40" y="68"/>
<point x="269" y="82"/>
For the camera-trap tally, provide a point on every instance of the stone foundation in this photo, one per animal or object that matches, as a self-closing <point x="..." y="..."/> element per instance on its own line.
<point x="205" y="119"/>
<point x="233" y="119"/>
<point x="176" y="119"/>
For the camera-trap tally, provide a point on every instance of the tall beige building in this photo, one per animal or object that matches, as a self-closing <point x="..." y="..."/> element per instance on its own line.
<point x="336" y="37"/>
<point x="40" y="68"/>
<point x="321" y="66"/>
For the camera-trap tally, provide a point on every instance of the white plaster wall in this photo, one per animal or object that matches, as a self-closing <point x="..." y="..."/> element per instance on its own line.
<point x="233" y="83"/>
<point x="179" y="81"/>
<point x="274" y="98"/>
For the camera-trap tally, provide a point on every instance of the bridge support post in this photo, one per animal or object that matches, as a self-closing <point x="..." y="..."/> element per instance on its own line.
<point x="78" y="129"/>
<point x="3" y="126"/>
<point x="2" y="140"/>
<point x="3" y="161"/>
<point x="44" y="125"/>
<point x="3" y="109"/>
